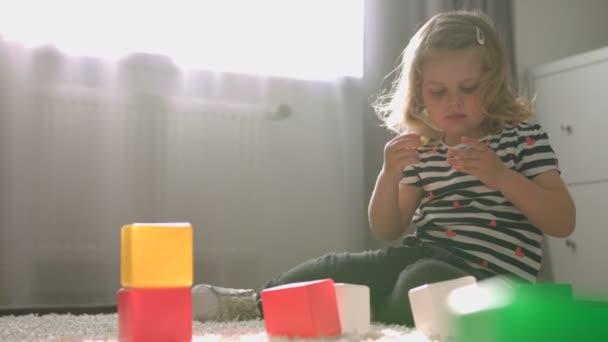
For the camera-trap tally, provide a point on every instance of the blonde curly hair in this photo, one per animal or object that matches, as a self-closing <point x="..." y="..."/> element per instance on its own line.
<point x="402" y="109"/>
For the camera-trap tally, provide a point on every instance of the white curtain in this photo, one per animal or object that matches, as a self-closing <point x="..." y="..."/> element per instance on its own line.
<point x="268" y="170"/>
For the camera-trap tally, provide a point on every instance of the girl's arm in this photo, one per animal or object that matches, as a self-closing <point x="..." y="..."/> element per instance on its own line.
<point x="544" y="200"/>
<point x="392" y="206"/>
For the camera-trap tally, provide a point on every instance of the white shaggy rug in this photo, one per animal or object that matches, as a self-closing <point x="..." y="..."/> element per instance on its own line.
<point x="104" y="327"/>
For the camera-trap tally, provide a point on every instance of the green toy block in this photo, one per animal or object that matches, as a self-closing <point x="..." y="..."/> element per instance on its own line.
<point x="539" y="312"/>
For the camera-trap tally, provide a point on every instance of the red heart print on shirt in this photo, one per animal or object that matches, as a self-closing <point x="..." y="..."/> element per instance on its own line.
<point x="431" y="196"/>
<point x="433" y="151"/>
<point x="449" y="232"/>
<point x="530" y="141"/>
<point x="492" y="223"/>
<point x="456" y="204"/>
<point x="519" y="252"/>
<point x="484" y="264"/>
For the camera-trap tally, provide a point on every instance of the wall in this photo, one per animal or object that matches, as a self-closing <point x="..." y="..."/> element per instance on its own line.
<point x="546" y="30"/>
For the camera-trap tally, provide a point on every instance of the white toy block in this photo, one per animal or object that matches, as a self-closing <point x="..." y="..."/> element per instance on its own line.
<point x="430" y="308"/>
<point x="353" y="307"/>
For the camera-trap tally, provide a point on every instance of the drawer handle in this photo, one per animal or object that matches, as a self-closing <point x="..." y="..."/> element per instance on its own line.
<point x="571" y="244"/>
<point x="566" y="128"/>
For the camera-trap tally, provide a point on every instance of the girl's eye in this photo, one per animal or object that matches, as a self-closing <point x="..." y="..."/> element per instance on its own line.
<point x="469" y="89"/>
<point x="438" y="92"/>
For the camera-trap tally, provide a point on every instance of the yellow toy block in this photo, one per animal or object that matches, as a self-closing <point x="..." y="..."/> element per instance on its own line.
<point x="156" y="255"/>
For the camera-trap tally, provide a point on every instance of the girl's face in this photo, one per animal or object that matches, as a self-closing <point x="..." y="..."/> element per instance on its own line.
<point x="450" y="92"/>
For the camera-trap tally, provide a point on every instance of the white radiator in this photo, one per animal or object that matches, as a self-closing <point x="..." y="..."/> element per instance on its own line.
<point x="263" y="187"/>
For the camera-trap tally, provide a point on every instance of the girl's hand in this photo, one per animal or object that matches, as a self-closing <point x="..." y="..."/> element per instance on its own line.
<point x="399" y="153"/>
<point x="480" y="161"/>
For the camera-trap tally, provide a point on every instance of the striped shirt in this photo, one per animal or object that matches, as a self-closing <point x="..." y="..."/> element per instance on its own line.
<point x="459" y="213"/>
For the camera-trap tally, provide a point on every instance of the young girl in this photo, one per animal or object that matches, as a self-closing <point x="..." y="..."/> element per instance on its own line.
<point x="477" y="183"/>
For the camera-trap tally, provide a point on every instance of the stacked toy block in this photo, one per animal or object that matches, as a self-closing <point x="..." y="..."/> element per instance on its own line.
<point x="155" y="301"/>
<point x="316" y="308"/>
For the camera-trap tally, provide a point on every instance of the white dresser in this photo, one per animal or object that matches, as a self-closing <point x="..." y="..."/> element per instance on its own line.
<point x="572" y="105"/>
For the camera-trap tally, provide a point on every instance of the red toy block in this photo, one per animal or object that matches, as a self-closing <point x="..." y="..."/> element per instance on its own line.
<point x="155" y="314"/>
<point x="305" y="309"/>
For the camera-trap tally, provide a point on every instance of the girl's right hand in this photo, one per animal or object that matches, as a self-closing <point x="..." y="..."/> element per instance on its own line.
<point x="399" y="153"/>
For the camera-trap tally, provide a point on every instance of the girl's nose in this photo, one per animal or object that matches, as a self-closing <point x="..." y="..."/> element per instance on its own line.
<point x="455" y="101"/>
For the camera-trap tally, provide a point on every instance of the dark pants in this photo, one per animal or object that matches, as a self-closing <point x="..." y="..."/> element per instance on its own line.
<point x="389" y="273"/>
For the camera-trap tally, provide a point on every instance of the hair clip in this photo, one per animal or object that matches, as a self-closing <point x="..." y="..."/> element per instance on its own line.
<point x="481" y="38"/>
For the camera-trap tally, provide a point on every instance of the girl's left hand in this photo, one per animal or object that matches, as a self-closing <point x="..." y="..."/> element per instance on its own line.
<point x="480" y="161"/>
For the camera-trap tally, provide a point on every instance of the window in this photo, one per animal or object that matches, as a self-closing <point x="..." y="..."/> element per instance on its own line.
<point x="316" y="39"/>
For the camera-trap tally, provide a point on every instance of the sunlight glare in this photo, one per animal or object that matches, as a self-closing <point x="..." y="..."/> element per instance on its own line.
<point x="477" y="297"/>
<point x="310" y="39"/>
